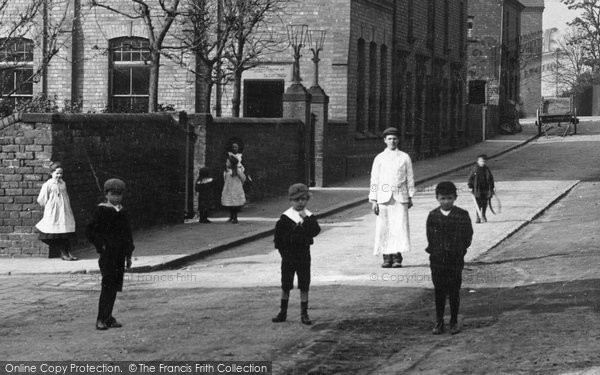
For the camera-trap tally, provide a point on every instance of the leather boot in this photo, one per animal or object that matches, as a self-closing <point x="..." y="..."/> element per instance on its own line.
<point x="304" y="313"/>
<point x="68" y="250"/>
<point x="282" y="316"/>
<point x="64" y="254"/>
<point x="100" y="325"/>
<point x="439" y="328"/>
<point x="397" y="260"/>
<point x="387" y="261"/>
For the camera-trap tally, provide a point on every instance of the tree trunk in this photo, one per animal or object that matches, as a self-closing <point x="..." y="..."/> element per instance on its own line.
<point x="237" y="92"/>
<point x="219" y="92"/>
<point x="153" y="85"/>
<point x="203" y="86"/>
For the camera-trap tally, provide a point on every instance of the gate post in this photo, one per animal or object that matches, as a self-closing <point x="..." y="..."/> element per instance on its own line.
<point x="296" y="104"/>
<point x="320" y="108"/>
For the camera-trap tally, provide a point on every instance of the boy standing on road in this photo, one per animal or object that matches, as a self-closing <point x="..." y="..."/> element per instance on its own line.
<point x="294" y="233"/>
<point x="109" y="231"/>
<point x="449" y="234"/>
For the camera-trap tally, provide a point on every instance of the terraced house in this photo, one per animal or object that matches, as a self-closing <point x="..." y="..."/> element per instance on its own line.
<point x="384" y="63"/>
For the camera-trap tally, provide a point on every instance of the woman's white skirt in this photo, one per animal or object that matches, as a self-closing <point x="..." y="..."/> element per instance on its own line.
<point x="392" y="233"/>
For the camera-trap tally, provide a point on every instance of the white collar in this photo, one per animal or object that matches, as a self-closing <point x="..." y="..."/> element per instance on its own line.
<point x="295" y="215"/>
<point x="444" y="212"/>
<point x="108" y="204"/>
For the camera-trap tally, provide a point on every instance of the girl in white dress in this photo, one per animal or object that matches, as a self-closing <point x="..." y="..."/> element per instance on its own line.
<point x="58" y="223"/>
<point x="233" y="188"/>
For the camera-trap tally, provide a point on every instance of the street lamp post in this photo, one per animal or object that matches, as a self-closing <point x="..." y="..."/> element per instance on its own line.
<point x="315" y="41"/>
<point x="296" y="35"/>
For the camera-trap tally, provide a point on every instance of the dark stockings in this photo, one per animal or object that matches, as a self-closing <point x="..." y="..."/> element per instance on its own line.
<point x="108" y="295"/>
<point x="440" y="303"/>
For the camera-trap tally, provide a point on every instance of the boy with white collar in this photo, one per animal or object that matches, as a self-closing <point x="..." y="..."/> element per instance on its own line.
<point x="109" y="231"/>
<point x="294" y="233"/>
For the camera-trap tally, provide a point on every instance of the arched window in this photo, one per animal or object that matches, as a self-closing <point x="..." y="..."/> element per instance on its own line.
<point x="360" y="88"/>
<point x="16" y="69"/>
<point x="430" y="23"/>
<point x="129" y="75"/>
<point x="447" y="26"/>
<point x="410" y="34"/>
<point x="383" y="79"/>
<point x="373" y="115"/>
<point x="409" y="93"/>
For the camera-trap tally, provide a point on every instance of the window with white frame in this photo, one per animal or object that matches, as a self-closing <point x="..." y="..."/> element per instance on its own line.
<point x="129" y="75"/>
<point x="16" y="69"/>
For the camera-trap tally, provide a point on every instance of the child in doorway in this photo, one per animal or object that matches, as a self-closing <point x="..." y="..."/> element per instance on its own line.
<point x="481" y="184"/>
<point x="204" y="188"/>
<point x="110" y="232"/>
<point x="449" y="235"/>
<point x="294" y="233"/>
<point x="58" y="223"/>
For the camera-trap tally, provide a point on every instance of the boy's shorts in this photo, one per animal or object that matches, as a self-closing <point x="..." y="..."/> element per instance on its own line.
<point x="288" y="269"/>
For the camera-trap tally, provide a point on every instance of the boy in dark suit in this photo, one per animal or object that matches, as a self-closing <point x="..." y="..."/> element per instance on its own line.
<point x="481" y="184"/>
<point x="294" y="233"/>
<point x="449" y="234"/>
<point x="110" y="232"/>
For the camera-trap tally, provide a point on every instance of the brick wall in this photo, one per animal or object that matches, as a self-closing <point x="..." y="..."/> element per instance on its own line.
<point x="147" y="151"/>
<point x="24" y="149"/>
<point x="273" y="151"/>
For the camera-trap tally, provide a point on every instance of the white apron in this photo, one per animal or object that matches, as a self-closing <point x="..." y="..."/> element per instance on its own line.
<point x="392" y="234"/>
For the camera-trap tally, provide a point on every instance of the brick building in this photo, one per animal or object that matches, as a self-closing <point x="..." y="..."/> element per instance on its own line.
<point x="385" y="62"/>
<point x="494" y="52"/>
<point x="531" y="56"/>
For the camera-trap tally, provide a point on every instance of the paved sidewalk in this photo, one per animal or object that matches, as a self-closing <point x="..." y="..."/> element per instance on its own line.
<point x="171" y="246"/>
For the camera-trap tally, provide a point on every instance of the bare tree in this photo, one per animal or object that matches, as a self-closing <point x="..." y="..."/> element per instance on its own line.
<point x="254" y="26"/>
<point x="588" y="24"/>
<point x="570" y="72"/>
<point x="205" y="34"/>
<point x="40" y="24"/>
<point x="158" y="21"/>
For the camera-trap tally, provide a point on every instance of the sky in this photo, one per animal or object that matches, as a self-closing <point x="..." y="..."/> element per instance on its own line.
<point x="556" y="14"/>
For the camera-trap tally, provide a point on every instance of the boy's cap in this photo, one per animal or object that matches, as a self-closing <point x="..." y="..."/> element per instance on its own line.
<point x="114" y="184"/>
<point x="391" y="131"/>
<point x="445" y="188"/>
<point x="297" y="190"/>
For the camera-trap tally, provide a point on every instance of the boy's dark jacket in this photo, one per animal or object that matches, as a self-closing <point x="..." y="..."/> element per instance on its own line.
<point x="205" y="193"/>
<point x="449" y="236"/>
<point x="481" y="181"/>
<point x="109" y="231"/>
<point x="293" y="240"/>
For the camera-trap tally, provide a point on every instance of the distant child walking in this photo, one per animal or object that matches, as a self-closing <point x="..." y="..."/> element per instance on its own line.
<point x="110" y="232"/>
<point x="233" y="195"/>
<point x="204" y="188"/>
<point x="294" y="233"/>
<point x="449" y="235"/>
<point x="481" y="184"/>
<point x="58" y="223"/>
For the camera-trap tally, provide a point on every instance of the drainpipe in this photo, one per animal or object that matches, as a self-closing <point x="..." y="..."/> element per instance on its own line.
<point x="45" y="47"/>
